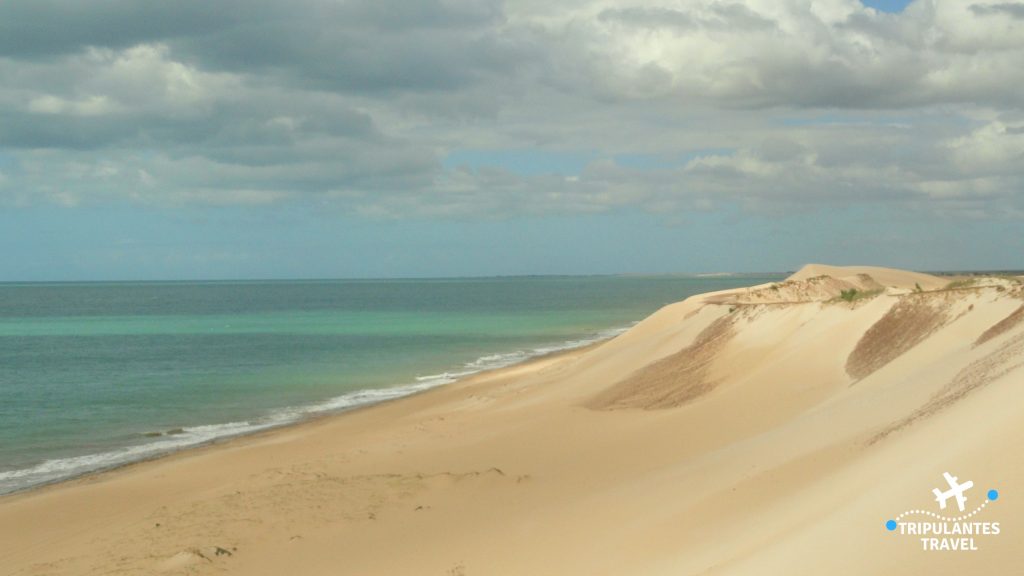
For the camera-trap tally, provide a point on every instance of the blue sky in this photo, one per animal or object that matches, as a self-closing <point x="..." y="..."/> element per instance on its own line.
<point x="389" y="138"/>
<point x="887" y="5"/>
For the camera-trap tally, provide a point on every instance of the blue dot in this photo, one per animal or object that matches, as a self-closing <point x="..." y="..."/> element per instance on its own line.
<point x="993" y="494"/>
<point x="890" y="525"/>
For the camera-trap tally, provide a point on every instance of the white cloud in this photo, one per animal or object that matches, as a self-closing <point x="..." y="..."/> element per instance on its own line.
<point x="147" y="76"/>
<point x="90" y="106"/>
<point x="759" y="103"/>
<point x="994" y="149"/>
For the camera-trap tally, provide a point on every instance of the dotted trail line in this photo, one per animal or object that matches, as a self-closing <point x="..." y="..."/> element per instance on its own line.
<point x="948" y="518"/>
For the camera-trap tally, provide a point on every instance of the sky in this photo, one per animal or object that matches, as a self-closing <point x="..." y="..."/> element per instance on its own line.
<point x="410" y="138"/>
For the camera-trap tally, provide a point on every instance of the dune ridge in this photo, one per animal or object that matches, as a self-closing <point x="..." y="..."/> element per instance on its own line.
<point x="764" y="430"/>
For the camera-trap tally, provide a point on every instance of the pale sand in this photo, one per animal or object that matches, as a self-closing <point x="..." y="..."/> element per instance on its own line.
<point x="759" y="431"/>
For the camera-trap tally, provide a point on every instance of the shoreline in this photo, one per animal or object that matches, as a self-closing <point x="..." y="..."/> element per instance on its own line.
<point x="311" y="418"/>
<point x="193" y="362"/>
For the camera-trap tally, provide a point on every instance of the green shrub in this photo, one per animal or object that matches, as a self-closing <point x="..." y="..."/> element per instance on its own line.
<point x="852" y="295"/>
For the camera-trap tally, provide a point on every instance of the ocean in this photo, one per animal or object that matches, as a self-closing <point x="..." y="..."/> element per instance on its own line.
<point x="96" y="375"/>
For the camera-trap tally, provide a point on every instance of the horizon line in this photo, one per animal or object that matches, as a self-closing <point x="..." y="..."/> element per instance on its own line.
<point x="395" y="278"/>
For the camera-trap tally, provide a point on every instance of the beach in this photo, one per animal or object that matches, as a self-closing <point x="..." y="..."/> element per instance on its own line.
<point x="97" y="375"/>
<point x="765" y="430"/>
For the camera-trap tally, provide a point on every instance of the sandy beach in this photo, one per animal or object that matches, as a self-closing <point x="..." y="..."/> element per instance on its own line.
<point x="767" y="430"/>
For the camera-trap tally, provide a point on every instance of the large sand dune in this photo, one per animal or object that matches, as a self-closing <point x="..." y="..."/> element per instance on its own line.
<point x="770" y="430"/>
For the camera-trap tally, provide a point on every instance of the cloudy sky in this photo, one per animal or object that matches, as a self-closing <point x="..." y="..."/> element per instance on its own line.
<point x="377" y="138"/>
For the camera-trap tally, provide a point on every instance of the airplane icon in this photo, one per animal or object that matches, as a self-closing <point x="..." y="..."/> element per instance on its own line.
<point x="955" y="490"/>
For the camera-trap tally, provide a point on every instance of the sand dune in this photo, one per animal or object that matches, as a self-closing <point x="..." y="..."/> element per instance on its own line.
<point x="770" y="430"/>
<point x="883" y="276"/>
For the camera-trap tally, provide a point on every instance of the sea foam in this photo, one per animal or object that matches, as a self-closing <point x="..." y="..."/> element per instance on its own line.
<point x="179" y="438"/>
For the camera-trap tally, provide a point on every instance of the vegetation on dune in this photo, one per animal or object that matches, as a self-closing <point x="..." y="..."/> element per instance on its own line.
<point x="962" y="283"/>
<point x="853" y="294"/>
<point x="984" y="281"/>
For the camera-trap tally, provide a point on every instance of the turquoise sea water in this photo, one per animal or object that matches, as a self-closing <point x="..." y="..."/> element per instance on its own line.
<point x="95" y="375"/>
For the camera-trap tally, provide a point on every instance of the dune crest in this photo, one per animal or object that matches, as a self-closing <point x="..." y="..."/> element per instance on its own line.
<point x="902" y="315"/>
<point x="885" y="276"/>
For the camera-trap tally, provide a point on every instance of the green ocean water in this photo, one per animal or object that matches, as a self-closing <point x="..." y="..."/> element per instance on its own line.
<point x="95" y="375"/>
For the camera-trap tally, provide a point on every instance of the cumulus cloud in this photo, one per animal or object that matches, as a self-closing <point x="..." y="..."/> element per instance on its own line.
<point x="676" y="105"/>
